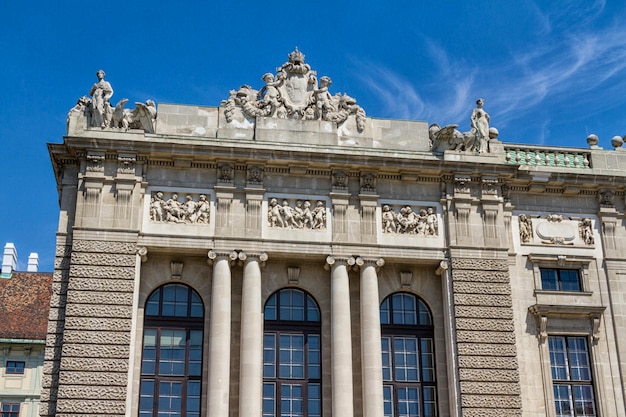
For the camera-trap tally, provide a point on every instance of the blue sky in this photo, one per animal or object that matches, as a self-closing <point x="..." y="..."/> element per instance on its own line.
<point x="551" y="72"/>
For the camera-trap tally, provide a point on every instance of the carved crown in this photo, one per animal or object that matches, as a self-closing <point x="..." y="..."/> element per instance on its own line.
<point x="296" y="57"/>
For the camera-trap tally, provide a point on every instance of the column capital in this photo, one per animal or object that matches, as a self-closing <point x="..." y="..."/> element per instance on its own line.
<point x="443" y="267"/>
<point x="363" y="262"/>
<point x="220" y="255"/>
<point x="331" y="260"/>
<point x="247" y="257"/>
<point x="142" y="251"/>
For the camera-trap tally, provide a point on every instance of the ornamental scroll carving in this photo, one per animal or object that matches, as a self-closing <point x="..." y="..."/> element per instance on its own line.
<point x="555" y="229"/>
<point x="294" y="93"/>
<point x="298" y="215"/>
<point x="192" y="210"/>
<point x="406" y="221"/>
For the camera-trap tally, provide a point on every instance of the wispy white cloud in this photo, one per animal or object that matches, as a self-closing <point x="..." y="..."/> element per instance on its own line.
<point x="561" y="67"/>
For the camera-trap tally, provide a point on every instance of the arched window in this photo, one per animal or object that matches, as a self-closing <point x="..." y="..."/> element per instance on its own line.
<point x="171" y="365"/>
<point x="292" y="361"/>
<point x="409" y="384"/>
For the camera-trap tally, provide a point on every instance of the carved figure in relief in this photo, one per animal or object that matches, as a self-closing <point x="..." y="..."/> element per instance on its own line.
<point x="269" y="94"/>
<point x="407" y="221"/>
<point x="322" y="96"/>
<point x="319" y="216"/>
<point x="189" y="209"/>
<point x="480" y="125"/>
<point x="288" y="214"/>
<point x="203" y="209"/>
<point x="274" y="215"/>
<point x="174" y="210"/>
<point x="389" y="225"/>
<point x="101" y="93"/>
<point x="586" y="231"/>
<point x="307" y="215"/>
<point x="157" y="207"/>
<point x="525" y="228"/>
<point x="432" y="225"/>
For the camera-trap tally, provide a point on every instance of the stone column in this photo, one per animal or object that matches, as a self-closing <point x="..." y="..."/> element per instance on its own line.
<point x="251" y="348"/>
<point x="371" y="353"/>
<point x="219" y="334"/>
<point x="341" y="337"/>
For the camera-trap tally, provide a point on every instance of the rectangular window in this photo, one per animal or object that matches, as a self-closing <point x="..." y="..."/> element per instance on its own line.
<point x="15" y="367"/>
<point x="10" y="410"/>
<point x="571" y="376"/>
<point x="553" y="279"/>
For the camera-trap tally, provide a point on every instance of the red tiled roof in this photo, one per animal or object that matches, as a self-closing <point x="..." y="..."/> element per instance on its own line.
<point x="24" y="305"/>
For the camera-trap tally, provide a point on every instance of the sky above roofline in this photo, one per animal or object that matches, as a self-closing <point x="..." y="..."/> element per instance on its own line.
<point x="551" y="72"/>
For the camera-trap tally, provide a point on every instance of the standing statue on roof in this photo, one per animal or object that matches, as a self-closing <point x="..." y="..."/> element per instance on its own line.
<point x="101" y="109"/>
<point x="480" y="126"/>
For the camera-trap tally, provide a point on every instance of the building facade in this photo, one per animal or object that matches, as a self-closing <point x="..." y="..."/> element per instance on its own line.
<point x="284" y="254"/>
<point x="24" y="308"/>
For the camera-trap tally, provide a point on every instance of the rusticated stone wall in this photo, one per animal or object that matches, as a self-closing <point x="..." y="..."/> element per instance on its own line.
<point x="485" y="333"/>
<point x="87" y="352"/>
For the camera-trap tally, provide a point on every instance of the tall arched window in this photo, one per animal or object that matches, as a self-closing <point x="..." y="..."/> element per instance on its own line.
<point x="171" y="365"/>
<point x="292" y="361"/>
<point x="409" y="384"/>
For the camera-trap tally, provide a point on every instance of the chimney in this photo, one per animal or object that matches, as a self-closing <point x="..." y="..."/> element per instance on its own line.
<point x="33" y="262"/>
<point x="9" y="260"/>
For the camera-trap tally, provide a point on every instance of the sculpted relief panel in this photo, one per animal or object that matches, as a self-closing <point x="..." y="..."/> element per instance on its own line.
<point x="404" y="220"/>
<point x="294" y="93"/>
<point x="298" y="215"/>
<point x="555" y="229"/>
<point x="195" y="209"/>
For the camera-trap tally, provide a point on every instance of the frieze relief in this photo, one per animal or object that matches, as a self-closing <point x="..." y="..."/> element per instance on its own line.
<point x="294" y="92"/>
<point x="298" y="214"/>
<point x="195" y="209"/>
<point x="405" y="221"/>
<point x="555" y="229"/>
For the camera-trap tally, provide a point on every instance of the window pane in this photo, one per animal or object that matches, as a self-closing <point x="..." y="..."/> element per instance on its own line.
<point x="384" y="312"/>
<point x="314" y="359"/>
<point x="569" y="280"/>
<point x="314" y="406"/>
<point x="386" y="350"/>
<point x="152" y="306"/>
<point x="583" y="400"/>
<point x="430" y="402"/>
<point x="558" y="358"/>
<point x="549" y="280"/>
<point x="428" y="360"/>
<point x="170" y="398"/>
<point x="408" y="402"/>
<point x="197" y="308"/>
<point x="270" y="308"/>
<point x="405" y="359"/>
<point x="269" y="400"/>
<point x="269" y="355"/>
<point x="388" y="400"/>
<point x="424" y="315"/>
<point x="563" y="400"/>
<point x="313" y="312"/>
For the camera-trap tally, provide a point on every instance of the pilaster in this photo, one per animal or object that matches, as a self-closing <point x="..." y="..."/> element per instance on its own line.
<point x="488" y="371"/>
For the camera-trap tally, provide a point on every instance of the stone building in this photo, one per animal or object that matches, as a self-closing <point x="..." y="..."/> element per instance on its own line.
<point x="24" y="308"/>
<point x="284" y="254"/>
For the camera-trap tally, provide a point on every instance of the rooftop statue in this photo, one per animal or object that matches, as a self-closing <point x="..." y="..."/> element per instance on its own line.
<point x="97" y="111"/>
<point x="101" y="110"/>
<point x="294" y="93"/>
<point x="474" y="141"/>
